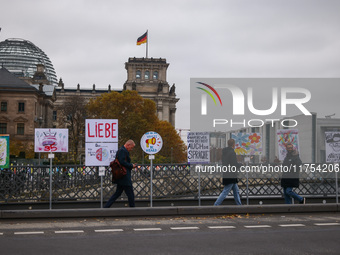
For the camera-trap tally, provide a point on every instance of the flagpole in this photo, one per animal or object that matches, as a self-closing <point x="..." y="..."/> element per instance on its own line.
<point x="147" y="42"/>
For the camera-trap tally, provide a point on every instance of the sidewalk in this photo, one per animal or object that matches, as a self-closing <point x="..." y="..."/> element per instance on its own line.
<point x="167" y="211"/>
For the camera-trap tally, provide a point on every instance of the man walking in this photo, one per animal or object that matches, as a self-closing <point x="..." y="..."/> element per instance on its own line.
<point x="290" y="179"/>
<point x="230" y="183"/>
<point x="125" y="183"/>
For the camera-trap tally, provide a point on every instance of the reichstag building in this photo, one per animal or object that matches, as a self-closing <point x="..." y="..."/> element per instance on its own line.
<point x="30" y="91"/>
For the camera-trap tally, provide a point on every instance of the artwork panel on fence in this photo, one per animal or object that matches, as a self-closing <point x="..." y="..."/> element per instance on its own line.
<point x="100" y="154"/>
<point x="198" y="147"/>
<point x="285" y="136"/>
<point x="101" y="131"/>
<point x="4" y="151"/>
<point x="51" y="140"/>
<point x="247" y="143"/>
<point x="332" y="144"/>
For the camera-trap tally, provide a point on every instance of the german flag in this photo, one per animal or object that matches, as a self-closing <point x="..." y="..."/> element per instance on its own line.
<point x="142" y="39"/>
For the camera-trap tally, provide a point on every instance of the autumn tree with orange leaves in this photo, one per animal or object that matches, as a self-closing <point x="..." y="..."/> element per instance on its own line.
<point x="136" y="116"/>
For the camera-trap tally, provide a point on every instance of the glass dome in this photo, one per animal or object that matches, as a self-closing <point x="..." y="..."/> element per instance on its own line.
<point x="21" y="57"/>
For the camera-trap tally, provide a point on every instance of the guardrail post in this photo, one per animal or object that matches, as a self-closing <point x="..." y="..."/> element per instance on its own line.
<point x="51" y="157"/>
<point x="101" y="189"/>
<point x="151" y="157"/>
<point x="199" y="188"/>
<point x="336" y="187"/>
<point x="247" y="189"/>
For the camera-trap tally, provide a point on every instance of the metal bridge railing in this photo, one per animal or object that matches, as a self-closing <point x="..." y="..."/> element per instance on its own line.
<point x="170" y="181"/>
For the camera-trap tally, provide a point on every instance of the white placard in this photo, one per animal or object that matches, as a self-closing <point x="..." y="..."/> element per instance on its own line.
<point x="101" y="131"/>
<point x="151" y="142"/>
<point x="332" y="144"/>
<point x="51" y="140"/>
<point x="100" y="154"/>
<point x="198" y="148"/>
<point x="101" y="171"/>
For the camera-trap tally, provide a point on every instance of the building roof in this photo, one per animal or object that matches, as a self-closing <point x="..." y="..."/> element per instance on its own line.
<point x="9" y="82"/>
<point x="21" y="58"/>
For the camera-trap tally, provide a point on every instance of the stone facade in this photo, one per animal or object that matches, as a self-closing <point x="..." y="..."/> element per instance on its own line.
<point x="41" y="100"/>
<point x="25" y="105"/>
<point x="152" y="85"/>
<point x="63" y="93"/>
<point x="148" y="76"/>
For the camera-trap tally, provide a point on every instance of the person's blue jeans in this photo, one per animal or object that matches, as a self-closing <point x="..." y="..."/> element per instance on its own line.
<point x="120" y="188"/>
<point x="225" y="192"/>
<point x="289" y="194"/>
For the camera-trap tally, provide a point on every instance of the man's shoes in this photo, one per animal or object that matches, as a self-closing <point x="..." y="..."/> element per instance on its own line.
<point x="303" y="201"/>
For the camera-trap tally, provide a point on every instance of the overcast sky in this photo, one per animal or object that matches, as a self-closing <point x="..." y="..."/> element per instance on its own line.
<point x="88" y="42"/>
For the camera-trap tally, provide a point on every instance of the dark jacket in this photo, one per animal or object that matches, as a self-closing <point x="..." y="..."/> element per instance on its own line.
<point x="124" y="159"/>
<point x="229" y="158"/>
<point x="291" y="179"/>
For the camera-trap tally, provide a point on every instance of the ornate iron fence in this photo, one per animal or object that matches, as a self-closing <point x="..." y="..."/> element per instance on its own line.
<point x="80" y="183"/>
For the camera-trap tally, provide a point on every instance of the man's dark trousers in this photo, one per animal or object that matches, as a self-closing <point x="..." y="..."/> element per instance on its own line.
<point x="120" y="188"/>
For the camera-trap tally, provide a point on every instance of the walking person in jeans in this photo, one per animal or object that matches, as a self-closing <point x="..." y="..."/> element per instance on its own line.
<point x="125" y="183"/>
<point x="230" y="183"/>
<point x="290" y="179"/>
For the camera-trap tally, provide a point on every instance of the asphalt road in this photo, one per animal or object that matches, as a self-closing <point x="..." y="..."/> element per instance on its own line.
<point x="317" y="233"/>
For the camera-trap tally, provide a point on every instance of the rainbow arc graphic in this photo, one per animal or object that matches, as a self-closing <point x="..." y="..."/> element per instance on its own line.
<point x="204" y="97"/>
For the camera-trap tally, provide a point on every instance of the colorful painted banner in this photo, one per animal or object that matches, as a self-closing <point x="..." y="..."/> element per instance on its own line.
<point x="247" y="143"/>
<point x="51" y="140"/>
<point x="4" y="151"/>
<point x="285" y="136"/>
<point x="100" y="154"/>
<point x="332" y="140"/>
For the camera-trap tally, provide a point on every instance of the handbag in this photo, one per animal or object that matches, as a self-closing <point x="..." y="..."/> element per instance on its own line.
<point x="118" y="171"/>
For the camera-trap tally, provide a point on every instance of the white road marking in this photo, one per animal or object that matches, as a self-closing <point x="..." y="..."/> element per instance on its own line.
<point x="69" y="231"/>
<point x="184" y="228"/>
<point x="173" y="228"/>
<point x="258" y="226"/>
<point x="327" y="224"/>
<point x="29" y="233"/>
<point x="109" y="230"/>
<point x="220" y="227"/>
<point x="292" y="225"/>
<point x="146" y="229"/>
<point x="333" y="218"/>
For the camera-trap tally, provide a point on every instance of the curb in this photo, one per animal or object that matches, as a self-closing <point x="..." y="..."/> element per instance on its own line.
<point x="167" y="211"/>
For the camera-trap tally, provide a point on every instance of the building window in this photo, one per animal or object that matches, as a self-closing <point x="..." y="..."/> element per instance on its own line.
<point x="4" y="106"/>
<point x="21" y="107"/>
<point x="54" y="115"/>
<point x="138" y="74"/>
<point x="20" y="128"/>
<point x="146" y="75"/>
<point x="155" y="75"/>
<point x="3" y="128"/>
